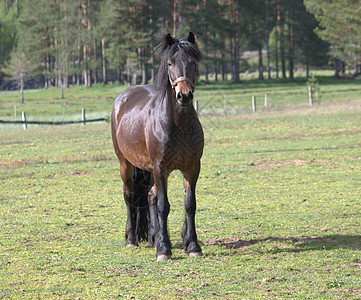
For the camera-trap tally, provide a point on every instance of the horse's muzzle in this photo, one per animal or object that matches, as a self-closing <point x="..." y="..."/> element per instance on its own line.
<point x="184" y="99"/>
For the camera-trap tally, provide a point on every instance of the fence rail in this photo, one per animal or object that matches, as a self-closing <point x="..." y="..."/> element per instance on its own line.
<point x="52" y="122"/>
<point x="25" y="122"/>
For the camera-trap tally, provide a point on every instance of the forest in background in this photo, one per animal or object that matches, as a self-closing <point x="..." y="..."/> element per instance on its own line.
<point x="62" y="42"/>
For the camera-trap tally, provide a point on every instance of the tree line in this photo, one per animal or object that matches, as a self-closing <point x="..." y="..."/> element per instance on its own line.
<point x="86" y="41"/>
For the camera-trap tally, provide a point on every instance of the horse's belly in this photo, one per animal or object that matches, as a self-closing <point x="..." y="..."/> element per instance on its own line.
<point x="134" y="149"/>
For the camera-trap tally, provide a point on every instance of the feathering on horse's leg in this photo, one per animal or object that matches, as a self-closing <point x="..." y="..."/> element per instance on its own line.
<point x="190" y="241"/>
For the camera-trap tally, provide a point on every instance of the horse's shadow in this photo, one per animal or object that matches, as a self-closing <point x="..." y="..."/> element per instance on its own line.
<point x="292" y="244"/>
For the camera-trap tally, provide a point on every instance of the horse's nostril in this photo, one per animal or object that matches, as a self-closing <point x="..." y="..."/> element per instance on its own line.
<point x="179" y="96"/>
<point x="190" y="96"/>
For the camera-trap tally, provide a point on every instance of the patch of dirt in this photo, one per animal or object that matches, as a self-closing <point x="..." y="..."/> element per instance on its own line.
<point x="299" y="244"/>
<point x="300" y="162"/>
<point x="16" y="163"/>
<point x="231" y="242"/>
<point x="297" y="162"/>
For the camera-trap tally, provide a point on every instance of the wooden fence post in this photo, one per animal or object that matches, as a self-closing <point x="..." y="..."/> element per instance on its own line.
<point x="196" y="106"/>
<point x="25" y="125"/>
<point x="254" y="104"/>
<point x="83" y="116"/>
<point x="310" y="95"/>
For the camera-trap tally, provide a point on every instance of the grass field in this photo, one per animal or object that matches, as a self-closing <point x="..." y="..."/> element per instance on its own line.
<point x="47" y="105"/>
<point x="278" y="214"/>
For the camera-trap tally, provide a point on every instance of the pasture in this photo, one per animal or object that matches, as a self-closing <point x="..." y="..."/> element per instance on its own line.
<point x="278" y="203"/>
<point x="47" y="105"/>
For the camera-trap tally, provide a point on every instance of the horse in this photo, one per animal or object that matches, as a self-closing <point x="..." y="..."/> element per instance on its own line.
<point x="156" y="130"/>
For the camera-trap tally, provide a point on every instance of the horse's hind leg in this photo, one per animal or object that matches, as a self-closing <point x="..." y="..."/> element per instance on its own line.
<point x="154" y="221"/>
<point x="189" y="235"/>
<point x="126" y="172"/>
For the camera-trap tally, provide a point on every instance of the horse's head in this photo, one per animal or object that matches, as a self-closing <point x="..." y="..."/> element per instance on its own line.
<point x="183" y="56"/>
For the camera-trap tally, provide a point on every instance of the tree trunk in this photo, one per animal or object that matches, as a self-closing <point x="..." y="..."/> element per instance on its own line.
<point x="290" y="45"/>
<point x="22" y="89"/>
<point x="90" y="76"/>
<point x="337" y="67"/>
<point x="260" y="64"/>
<point x="62" y="89"/>
<point x="174" y="18"/>
<point x="95" y="71"/>
<point x="119" y="74"/>
<point x="215" y="71"/>
<point x="152" y="71"/>
<point x="234" y="22"/>
<point x="268" y="62"/>
<point x="141" y="58"/>
<point x="85" y="76"/>
<point x="85" y="65"/>
<point x="235" y="57"/>
<point x="104" y="63"/>
<point x="280" y="22"/>
<point x="307" y="69"/>
<point x="206" y="78"/>
<point x="282" y="49"/>
<point x="277" y="8"/>
<point x="95" y="76"/>
<point x="79" y="51"/>
<point x="45" y="76"/>
<point x="267" y="40"/>
<point x="206" y="49"/>
<point x="223" y="67"/>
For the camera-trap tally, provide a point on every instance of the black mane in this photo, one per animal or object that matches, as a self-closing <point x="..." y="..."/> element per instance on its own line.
<point x="167" y="47"/>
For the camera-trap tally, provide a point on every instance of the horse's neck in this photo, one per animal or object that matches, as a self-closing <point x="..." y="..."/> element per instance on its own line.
<point x="177" y="114"/>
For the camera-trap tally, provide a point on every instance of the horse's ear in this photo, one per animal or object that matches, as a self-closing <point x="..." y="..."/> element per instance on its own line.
<point x="191" y="38"/>
<point x="169" y="41"/>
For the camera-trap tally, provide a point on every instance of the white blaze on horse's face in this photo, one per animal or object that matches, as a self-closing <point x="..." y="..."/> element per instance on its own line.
<point x="182" y="76"/>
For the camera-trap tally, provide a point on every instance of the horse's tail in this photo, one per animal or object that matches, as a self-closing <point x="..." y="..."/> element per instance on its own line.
<point x="142" y="181"/>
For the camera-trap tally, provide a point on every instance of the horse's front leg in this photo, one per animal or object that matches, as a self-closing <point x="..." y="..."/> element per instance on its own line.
<point x="163" y="243"/>
<point x="190" y="242"/>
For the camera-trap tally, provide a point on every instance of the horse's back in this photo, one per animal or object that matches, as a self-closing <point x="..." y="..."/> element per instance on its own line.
<point x="133" y="96"/>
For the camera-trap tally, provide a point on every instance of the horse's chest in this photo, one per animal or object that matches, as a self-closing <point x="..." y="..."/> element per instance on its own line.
<point x="185" y="146"/>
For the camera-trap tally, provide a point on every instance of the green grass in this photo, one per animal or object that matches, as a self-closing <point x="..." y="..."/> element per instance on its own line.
<point x="278" y="211"/>
<point x="47" y="105"/>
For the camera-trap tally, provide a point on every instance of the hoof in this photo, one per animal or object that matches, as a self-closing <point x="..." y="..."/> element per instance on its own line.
<point x="162" y="257"/>
<point x="130" y="246"/>
<point x="195" y="254"/>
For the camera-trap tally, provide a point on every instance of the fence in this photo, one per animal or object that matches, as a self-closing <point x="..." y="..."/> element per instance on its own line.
<point x="217" y="104"/>
<point x="26" y="122"/>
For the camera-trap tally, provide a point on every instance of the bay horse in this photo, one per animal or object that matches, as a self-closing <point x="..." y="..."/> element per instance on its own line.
<point x="155" y="130"/>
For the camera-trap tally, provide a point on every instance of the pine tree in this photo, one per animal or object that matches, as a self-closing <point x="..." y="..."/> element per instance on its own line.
<point x="8" y="15"/>
<point x="19" y="68"/>
<point x="340" y="25"/>
<point x="36" y="35"/>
